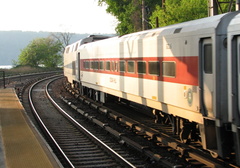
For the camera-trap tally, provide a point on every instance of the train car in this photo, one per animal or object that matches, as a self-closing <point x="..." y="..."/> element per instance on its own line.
<point x="179" y="71"/>
<point x="69" y="60"/>
<point x="234" y="81"/>
<point x="71" y="57"/>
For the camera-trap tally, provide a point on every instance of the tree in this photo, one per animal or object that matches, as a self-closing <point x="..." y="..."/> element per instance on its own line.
<point x="177" y="11"/>
<point x="128" y="13"/>
<point x="63" y="38"/>
<point x="41" y="51"/>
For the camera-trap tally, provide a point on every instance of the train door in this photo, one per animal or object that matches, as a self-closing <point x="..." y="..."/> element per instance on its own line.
<point x="237" y="114"/>
<point x="238" y="71"/>
<point x="207" y="78"/>
<point x="78" y="66"/>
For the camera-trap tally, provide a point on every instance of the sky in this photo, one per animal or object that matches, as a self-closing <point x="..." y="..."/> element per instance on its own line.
<point x="75" y="16"/>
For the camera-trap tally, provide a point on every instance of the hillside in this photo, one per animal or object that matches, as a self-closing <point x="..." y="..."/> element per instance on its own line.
<point x="11" y="43"/>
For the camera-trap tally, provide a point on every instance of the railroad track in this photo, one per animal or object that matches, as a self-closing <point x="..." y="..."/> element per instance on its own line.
<point x="21" y="79"/>
<point x="192" y="154"/>
<point x="76" y="146"/>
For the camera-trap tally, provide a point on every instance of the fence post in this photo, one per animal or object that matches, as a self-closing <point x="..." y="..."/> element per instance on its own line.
<point x="3" y="79"/>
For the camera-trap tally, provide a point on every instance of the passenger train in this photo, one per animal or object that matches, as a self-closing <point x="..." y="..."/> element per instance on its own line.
<point x="188" y="72"/>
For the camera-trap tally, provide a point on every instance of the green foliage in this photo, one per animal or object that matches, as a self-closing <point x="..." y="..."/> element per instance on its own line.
<point x="129" y="13"/>
<point x="177" y="11"/>
<point x="41" y="51"/>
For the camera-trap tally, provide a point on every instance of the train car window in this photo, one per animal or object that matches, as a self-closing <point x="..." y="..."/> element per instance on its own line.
<point x="131" y="66"/>
<point x="208" y="58"/>
<point x="108" y="65"/>
<point x="95" y="65"/>
<point x="86" y="64"/>
<point x="101" y="65"/>
<point x="67" y="50"/>
<point x="122" y="66"/>
<point x="91" y="64"/>
<point x="76" y="47"/>
<point x="169" y="69"/>
<point x="154" y="68"/>
<point x="141" y="67"/>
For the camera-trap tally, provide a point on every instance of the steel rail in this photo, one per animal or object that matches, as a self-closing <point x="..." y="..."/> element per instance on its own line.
<point x="44" y="128"/>
<point x="163" y="138"/>
<point x="102" y="144"/>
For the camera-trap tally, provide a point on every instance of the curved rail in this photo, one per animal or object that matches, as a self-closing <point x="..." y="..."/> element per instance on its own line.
<point x="103" y="145"/>
<point x="44" y="128"/>
<point x="115" y="155"/>
<point x="153" y="134"/>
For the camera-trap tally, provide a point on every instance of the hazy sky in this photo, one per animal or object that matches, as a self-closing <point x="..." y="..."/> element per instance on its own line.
<point x="77" y="16"/>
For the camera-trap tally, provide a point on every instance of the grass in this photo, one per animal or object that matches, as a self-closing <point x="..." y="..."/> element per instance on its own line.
<point x="26" y="70"/>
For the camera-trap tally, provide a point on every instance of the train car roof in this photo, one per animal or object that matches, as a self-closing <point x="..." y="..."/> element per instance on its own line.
<point x="194" y="25"/>
<point x="235" y="23"/>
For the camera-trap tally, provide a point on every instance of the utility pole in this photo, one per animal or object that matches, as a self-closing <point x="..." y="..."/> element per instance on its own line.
<point x="237" y="5"/>
<point x="144" y="22"/>
<point x="215" y="6"/>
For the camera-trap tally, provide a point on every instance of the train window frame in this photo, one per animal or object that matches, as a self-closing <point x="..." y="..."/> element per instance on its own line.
<point x="157" y="68"/>
<point x="108" y="67"/>
<point x="114" y="66"/>
<point x="86" y="64"/>
<point x="67" y="50"/>
<point x="208" y="58"/>
<point x="142" y="68"/>
<point x="91" y="64"/>
<point x="132" y="68"/>
<point x="76" y="47"/>
<point x="101" y="65"/>
<point x="95" y="65"/>
<point x="122" y="66"/>
<point x="167" y="69"/>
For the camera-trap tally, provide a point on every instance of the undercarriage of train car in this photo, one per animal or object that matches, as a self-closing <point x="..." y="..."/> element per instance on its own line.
<point x="188" y="132"/>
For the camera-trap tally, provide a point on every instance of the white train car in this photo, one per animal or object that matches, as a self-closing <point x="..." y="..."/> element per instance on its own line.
<point x="69" y="60"/>
<point x="234" y="81"/>
<point x="71" y="57"/>
<point x="179" y="70"/>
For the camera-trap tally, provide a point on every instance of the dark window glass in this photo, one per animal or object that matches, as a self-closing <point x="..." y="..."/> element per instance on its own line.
<point x="141" y="67"/>
<point x="131" y="66"/>
<point x="91" y="64"/>
<point x="86" y="64"/>
<point x="94" y="65"/>
<point x="154" y="68"/>
<point x="169" y="69"/>
<point x="122" y="66"/>
<point x="101" y="65"/>
<point x="108" y="65"/>
<point x="208" y="58"/>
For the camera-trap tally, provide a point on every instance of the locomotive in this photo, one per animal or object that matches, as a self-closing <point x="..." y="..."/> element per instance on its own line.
<point x="187" y="72"/>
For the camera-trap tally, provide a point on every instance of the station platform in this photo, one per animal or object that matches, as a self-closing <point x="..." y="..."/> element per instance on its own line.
<point x="20" y="144"/>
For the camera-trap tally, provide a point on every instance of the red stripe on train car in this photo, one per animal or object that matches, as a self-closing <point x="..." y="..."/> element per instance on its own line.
<point x="186" y="69"/>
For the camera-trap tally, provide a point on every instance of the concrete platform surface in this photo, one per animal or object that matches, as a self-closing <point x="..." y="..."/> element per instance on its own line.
<point x="20" y="144"/>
